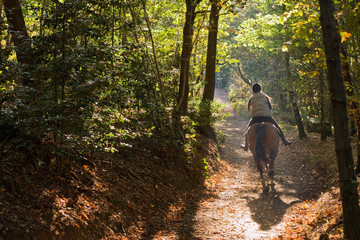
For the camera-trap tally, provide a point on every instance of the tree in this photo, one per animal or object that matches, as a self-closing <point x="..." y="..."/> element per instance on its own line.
<point x="1" y="24"/>
<point x="348" y="182"/>
<point x="19" y="36"/>
<point x="188" y="32"/>
<point x="292" y="98"/>
<point x="322" y="110"/>
<point x="160" y="83"/>
<point x="209" y="87"/>
<point x="290" y="84"/>
<point x="353" y="104"/>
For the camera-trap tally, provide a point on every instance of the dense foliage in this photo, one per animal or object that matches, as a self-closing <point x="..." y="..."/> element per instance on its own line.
<point x="96" y="78"/>
<point x="105" y="73"/>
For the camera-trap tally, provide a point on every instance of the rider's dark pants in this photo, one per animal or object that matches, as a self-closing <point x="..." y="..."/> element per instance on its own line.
<point x="267" y="119"/>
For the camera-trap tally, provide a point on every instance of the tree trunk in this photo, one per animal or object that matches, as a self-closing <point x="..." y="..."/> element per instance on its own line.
<point x="209" y="87"/>
<point x="160" y="82"/>
<point x="354" y="107"/>
<point x="322" y="110"/>
<point x="19" y="36"/>
<point x="197" y="78"/>
<point x="1" y="19"/>
<point x="291" y="92"/>
<point x="292" y="98"/>
<point x="348" y="182"/>
<point x="239" y="72"/>
<point x="188" y="32"/>
<point x="134" y="19"/>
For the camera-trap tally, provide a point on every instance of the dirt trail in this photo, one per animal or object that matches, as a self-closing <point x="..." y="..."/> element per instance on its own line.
<point x="239" y="209"/>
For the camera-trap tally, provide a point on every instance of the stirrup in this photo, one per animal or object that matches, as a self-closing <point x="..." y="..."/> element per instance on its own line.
<point x="243" y="146"/>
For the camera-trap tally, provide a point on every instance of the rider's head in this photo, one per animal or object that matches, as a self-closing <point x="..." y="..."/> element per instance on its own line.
<point x="256" y="87"/>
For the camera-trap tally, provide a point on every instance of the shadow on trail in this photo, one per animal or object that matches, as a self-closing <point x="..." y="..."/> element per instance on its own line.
<point x="295" y="181"/>
<point x="267" y="210"/>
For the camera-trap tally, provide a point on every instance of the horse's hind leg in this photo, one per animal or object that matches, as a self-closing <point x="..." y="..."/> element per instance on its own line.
<point x="259" y="167"/>
<point x="271" y="173"/>
<point x="271" y="179"/>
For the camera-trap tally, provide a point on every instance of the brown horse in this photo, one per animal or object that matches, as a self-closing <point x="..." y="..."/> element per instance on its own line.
<point x="263" y="139"/>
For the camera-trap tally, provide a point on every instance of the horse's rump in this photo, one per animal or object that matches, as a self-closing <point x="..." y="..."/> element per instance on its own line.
<point x="270" y="139"/>
<point x="263" y="141"/>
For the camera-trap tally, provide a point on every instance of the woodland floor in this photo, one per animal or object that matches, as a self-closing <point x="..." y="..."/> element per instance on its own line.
<point x="148" y="193"/>
<point x="239" y="208"/>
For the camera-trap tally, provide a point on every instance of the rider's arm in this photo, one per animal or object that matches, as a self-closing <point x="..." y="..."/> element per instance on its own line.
<point x="269" y="103"/>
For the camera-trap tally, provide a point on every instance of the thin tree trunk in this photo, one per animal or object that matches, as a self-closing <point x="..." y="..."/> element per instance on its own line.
<point x="134" y="19"/>
<point x="348" y="182"/>
<point x="41" y="23"/>
<point x="292" y="98"/>
<point x="188" y="32"/>
<point x="160" y="82"/>
<point x="322" y="110"/>
<point x="113" y="28"/>
<point x="19" y="36"/>
<point x="123" y="33"/>
<point x="240" y="74"/>
<point x="201" y="67"/>
<point x="354" y="107"/>
<point x="294" y="106"/>
<point x="1" y="19"/>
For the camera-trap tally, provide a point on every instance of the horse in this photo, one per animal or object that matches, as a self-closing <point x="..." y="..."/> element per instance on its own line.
<point x="263" y="140"/>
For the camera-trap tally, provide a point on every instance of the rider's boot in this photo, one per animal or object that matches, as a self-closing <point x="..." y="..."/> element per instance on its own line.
<point x="283" y="139"/>
<point x="245" y="145"/>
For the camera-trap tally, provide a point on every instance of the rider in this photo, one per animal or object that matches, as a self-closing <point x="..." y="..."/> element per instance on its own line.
<point x="259" y="105"/>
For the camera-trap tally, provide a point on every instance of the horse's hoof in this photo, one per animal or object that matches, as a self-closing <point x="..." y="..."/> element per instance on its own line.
<point x="266" y="189"/>
<point x="271" y="182"/>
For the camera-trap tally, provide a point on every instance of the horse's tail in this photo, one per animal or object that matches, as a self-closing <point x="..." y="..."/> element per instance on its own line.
<point x="259" y="142"/>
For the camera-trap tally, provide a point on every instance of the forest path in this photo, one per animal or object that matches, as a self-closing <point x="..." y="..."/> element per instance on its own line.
<point x="238" y="209"/>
